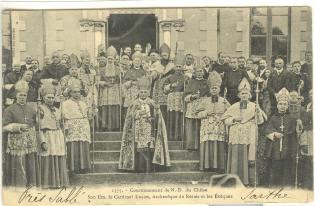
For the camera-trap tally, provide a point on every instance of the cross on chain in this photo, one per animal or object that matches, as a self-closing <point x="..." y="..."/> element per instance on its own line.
<point x="25" y="119"/>
<point x="198" y="92"/>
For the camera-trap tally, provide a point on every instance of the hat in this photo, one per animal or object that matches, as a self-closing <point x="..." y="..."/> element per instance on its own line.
<point x="137" y="54"/>
<point x="283" y="95"/>
<point x="179" y="59"/>
<point x="21" y="86"/>
<point x="214" y="79"/>
<point x="144" y="83"/>
<point x="111" y="51"/>
<point x="47" y="89"/>
<point x="73" y="61"/>
<point x="73" y="86"/>
<point x="244" y="85"/>
<point x="85" y="54"/>
<point x="153" y="51"/>
<point x="198" y="63"/>
<point x="165" y="49"/>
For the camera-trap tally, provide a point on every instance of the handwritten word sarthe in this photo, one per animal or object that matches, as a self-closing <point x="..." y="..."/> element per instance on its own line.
<point x="271" y="194"/>
<point x="63" y="196"/>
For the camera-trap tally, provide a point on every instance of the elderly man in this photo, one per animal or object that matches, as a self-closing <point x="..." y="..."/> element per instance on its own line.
<point x="28" y="63"/>
<point x="21" y="167"/>
<point x="232" y="79"/>
<point x="276" y="81"/>
<point x="54" y="70"/>
<point x="11" y="78"/>
<point x="144" y="140"/>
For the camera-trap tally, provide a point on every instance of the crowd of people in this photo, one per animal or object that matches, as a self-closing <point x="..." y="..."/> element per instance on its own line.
<point x="243" y="116"/>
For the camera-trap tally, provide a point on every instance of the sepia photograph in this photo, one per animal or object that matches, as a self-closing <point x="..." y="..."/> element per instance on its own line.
<point x="157" y="106"/>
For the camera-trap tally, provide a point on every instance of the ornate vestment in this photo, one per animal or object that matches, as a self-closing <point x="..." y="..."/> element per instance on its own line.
<point x="139" y="131"/>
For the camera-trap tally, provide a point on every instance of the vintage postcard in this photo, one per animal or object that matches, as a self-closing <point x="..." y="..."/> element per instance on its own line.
<point x="123" y="106"/>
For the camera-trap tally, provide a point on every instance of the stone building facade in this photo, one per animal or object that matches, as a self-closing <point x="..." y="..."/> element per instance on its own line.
<point x="248" y="32"/>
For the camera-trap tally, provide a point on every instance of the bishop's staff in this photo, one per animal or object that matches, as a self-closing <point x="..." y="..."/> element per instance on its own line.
<point x="225" y="135"/>
<point x="93" y="124"/>
<point x="120" y="90"/>
<point x="256" y="128"/>
<point x="298" y="131"/>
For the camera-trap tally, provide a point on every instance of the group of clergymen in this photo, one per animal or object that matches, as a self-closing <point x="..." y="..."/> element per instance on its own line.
<point x="244" y="117"/>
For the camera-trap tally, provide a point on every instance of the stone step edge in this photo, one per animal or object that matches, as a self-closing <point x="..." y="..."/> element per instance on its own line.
<point x="172" y="161"/>
<point x="125" y="173"/>
<point x="107" y="151"/>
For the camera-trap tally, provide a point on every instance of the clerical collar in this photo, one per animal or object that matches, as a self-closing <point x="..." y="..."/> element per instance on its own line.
<point x="201" y="78"/>
<point x="234" y="70"/>
<point x="137" y="67"/>
<point x="214" y="98"/>
<point x="243" y="104"/>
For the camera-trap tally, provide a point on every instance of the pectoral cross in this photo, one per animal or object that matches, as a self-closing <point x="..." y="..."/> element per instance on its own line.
<point x="198" y="92"/>
<point x="281" y="127"/>
<point x="25" y="119"/>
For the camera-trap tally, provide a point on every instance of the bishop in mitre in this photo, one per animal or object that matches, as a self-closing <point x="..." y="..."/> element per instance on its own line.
<point x="144" y="140"/>
<point x="240" y="118"/>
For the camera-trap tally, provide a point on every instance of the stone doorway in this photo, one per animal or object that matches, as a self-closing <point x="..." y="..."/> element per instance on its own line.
<point x="130" y="29"/>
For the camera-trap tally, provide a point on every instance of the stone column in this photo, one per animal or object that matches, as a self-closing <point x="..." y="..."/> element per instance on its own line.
<point x="166" y="27"/>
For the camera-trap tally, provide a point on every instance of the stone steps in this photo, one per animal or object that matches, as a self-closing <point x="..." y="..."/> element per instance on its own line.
<point x="174" y="155"/>
<point x="143" y="178"/>
<point x="176" y="166"/>
<point x="184" y="165"/>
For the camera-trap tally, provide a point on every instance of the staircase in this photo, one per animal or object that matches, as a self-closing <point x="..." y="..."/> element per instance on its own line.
<point x="184" y="165"/>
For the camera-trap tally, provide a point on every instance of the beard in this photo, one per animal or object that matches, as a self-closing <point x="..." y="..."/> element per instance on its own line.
<point x="164" y="62"/>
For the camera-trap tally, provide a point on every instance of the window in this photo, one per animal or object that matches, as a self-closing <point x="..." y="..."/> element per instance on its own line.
<point x="6" y="40"/>
<point x="270" y="33"/>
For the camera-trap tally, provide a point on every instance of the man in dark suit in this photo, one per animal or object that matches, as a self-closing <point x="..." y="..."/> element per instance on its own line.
<point x="28" y="64"/>
<point x="276" y="82"/>
<point x="232" y="79"/>
<point x="262" y="68"/>
<point x="54" y="70"/>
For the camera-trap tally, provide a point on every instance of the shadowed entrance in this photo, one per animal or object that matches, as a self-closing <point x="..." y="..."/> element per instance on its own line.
<point x="130" y="29"/>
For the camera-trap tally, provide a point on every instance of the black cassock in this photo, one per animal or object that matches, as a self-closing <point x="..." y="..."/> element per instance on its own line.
<point x="282" y="151"/>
